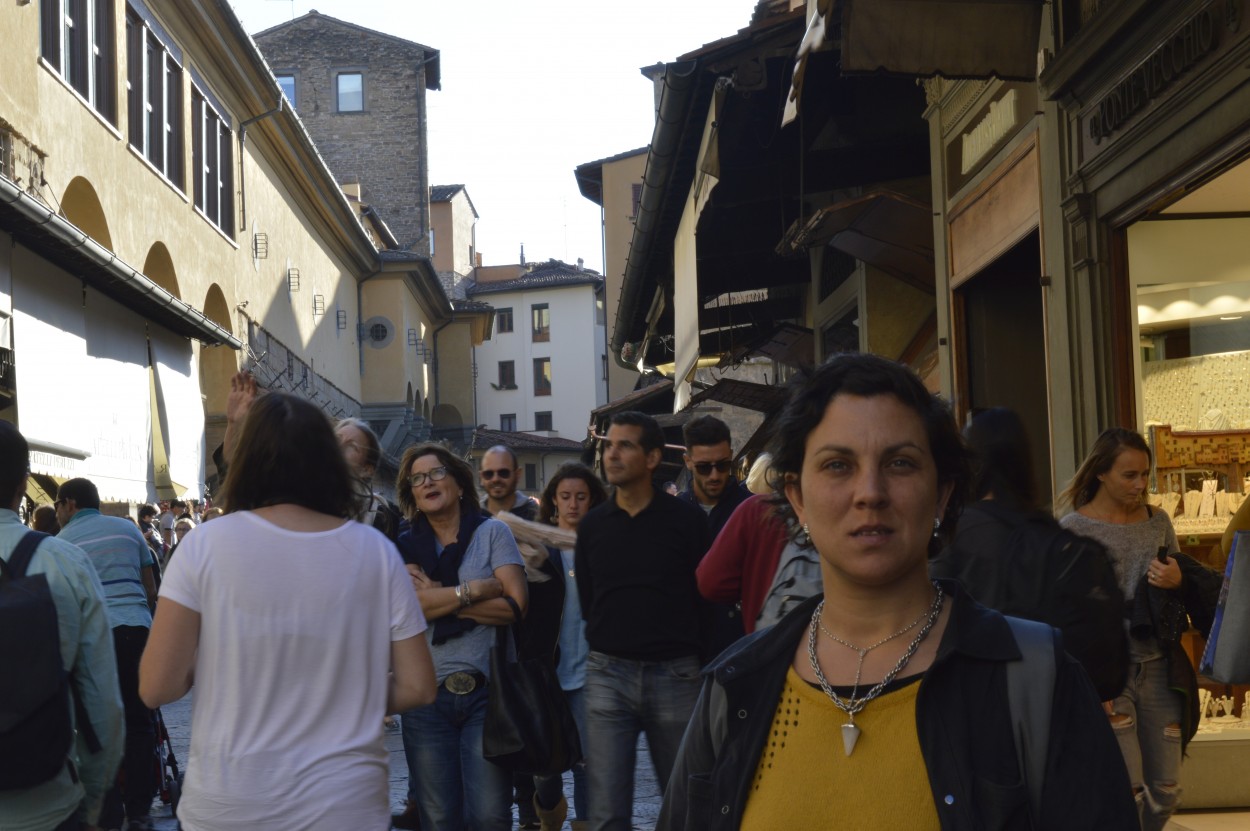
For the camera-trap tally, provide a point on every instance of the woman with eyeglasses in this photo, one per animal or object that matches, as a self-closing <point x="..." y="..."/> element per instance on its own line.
<point x="469" y="578"/>
<point x="300" y="631"/>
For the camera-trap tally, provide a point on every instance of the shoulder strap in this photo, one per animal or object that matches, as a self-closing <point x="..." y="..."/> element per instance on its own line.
<point x="19" y="560"/>
<point x="1030" y="695"/>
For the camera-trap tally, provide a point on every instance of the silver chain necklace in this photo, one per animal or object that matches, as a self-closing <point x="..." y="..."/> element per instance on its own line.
<point x="854" y="704"/>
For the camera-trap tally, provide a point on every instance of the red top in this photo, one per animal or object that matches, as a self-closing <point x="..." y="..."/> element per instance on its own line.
<point x="742" y="561"/>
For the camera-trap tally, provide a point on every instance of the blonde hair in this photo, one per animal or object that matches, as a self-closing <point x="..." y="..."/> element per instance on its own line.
<point x="760" y="478"/>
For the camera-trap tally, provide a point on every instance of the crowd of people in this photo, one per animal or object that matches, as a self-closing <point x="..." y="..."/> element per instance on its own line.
<point x="743" y="627"/>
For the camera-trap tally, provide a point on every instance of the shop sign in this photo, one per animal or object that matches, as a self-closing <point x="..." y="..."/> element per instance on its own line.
<point x="1195" y="39"/>
<point x="990" y="128"/>
<point x="997" y="124"/>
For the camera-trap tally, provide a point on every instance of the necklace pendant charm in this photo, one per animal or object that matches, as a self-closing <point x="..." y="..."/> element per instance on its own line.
<point x="850" y="735"/>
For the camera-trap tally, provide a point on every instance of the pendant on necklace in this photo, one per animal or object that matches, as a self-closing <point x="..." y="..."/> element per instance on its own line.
<point x="850" y="735"/>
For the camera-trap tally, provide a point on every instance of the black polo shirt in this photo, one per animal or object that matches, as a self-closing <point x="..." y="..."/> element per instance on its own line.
<point x="635" y="578"/>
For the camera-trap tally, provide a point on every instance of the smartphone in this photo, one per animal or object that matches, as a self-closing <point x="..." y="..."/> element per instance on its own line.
<point x="1162" y="556"/>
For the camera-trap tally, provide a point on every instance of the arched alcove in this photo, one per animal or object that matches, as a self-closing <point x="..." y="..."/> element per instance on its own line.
<point x="408" y="400"/>
<point x="217" y="363"/>
<point x="81" y="206"/>
<point x="159" y="268"/>
<point x="446" y="415"/>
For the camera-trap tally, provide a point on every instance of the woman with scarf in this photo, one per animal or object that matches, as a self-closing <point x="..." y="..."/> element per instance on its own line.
<point x="469" y="578"/>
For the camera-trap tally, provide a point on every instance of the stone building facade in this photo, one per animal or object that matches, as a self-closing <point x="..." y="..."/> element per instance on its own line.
<point x="361" y="95"/>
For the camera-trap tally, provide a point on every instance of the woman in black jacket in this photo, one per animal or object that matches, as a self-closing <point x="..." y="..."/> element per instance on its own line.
<point x="883" y="704"/>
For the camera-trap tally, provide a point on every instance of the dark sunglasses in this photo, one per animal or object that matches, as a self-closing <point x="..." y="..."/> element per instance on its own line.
<point x="704" y="468"/>
<point x="502" y="473"/>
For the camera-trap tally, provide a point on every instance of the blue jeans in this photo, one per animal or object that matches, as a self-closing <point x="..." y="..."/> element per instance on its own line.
<point x="456" y="787"/>
<point x="1150" y="740"/>
<point x="549" y="789"/>
<point x="624" y="698"/>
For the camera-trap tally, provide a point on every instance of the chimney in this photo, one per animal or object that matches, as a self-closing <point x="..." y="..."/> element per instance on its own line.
<point x="522" y="253"/>
<point x="580" y="263"/>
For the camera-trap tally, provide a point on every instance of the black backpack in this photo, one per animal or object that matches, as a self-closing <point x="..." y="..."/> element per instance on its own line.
<point x="1047" y="573"/>
<point x="36" y="732"/>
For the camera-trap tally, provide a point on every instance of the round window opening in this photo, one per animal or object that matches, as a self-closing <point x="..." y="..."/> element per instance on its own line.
<point x="378" y="331"/>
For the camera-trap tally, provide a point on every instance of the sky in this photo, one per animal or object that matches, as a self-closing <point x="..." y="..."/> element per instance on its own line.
<point x="530" y="90"/>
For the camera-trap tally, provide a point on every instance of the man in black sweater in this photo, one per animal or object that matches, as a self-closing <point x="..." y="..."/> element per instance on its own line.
<point x="635" y="561"/>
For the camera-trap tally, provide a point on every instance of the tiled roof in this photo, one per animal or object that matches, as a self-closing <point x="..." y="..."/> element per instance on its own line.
<point x="551" y="274"/>
<point x="442" y="193"/>
<point x="484" y="439"/>
<point x="470" y="306"/>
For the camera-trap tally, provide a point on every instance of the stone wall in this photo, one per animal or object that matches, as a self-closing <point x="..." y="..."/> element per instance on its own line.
<point x="382" y="147"/>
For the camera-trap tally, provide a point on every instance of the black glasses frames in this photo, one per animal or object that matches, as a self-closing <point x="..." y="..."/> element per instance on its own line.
<point x="704" y="468"/>
<point x="437" y="474"/>
<point x="502" y="473"/>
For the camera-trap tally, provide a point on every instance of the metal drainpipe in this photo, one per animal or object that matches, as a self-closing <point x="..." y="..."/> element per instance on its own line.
<point x="437" y="399"/>
<point x="243" y="167"/>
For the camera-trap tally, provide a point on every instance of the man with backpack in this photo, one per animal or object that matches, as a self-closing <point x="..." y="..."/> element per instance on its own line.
<point x="60" y="676"/>
<point x="127" y="570"/>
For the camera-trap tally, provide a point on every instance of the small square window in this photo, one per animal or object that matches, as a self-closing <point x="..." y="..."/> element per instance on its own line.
<point x="507" y="422"/>
<point x="531" y="476"/>
<point x="542" y="376"/>
<point x="503" y="321"/>
<point x="351" y="92"/>
<point x="542" y="421"/>
<point x="540" y="316"/>
<point x="287" y="82"/>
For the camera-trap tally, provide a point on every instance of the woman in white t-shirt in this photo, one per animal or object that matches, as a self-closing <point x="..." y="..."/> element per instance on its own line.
<point x="300" y="630"/>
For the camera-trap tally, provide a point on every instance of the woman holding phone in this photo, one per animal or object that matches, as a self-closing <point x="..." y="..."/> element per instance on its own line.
<point x="1157" y="713"/>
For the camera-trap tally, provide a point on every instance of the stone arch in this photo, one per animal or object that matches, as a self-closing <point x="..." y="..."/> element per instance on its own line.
<point x="409" y="399"/>
<point x="81" y="205"/>
<point x="159" y="268"/>
<point x="426" y="411"/>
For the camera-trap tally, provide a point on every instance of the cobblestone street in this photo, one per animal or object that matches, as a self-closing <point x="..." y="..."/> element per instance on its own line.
<point x="178" y="722"/>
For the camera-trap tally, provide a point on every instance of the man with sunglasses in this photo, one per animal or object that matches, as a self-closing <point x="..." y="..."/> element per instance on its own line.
<point x="710" y="459"/>
<point x="714" y="488"/>
<point x="499" y="472"/>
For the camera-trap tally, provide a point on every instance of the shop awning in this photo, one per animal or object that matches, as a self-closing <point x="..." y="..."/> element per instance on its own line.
<point x="885" y="229"/>
<point x="785" y="343"/>
<point x="41" y="229"/>
<point x="763" y="398"/>
<point x="952" y="38"/>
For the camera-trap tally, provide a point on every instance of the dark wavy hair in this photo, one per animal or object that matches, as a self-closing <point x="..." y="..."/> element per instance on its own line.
<point x="1002" y="462"/>
<point x="865" y="375"/>
<point x="570" y="470"/>
<point x="1107" y="448"/>
<point x="457" y="468"/>
<point x="287" y="453"/>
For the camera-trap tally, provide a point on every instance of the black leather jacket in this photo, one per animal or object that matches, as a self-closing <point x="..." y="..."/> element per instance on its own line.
<point x="963" y="721"/>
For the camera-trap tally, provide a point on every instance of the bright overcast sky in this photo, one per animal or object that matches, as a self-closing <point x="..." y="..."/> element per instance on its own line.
<point x="530" y="90"/>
